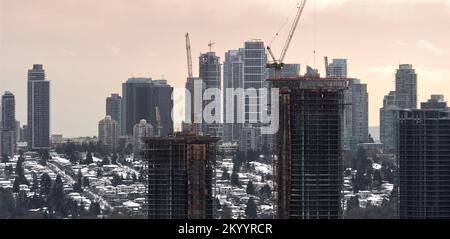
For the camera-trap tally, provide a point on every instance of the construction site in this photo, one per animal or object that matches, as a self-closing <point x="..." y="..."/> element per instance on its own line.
<point x="180" y="176"/>
<point x="309" y="168"/>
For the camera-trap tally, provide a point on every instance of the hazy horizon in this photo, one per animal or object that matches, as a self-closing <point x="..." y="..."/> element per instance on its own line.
<point x="89" y="48"/>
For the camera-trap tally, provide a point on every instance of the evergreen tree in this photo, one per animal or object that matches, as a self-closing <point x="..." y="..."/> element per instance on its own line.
<point x="69" y="149"/>
<point x="252" y="156"/>
<point x="35" y="185"/>
<point x="8" y="171"/>
<point x="114" y="159"/>
<point x="225" y="175"/>
<point x="16" y="185"/>
<point x="265" y="192"/>
<point x="7" y="204"/>
<point x="73" y="208"/>
<point x="250" y="188"/>
<point x="91" y="146"/>
<point x="121" y="157"/>
<point x="44" y="157"/>
<point x="73" y="159"/>
<point x="19" y="167"/>
<point x="5" y="158"/>
<point x="129" y="149"/>
<point x="105" y="161"/>
<point x="89" y="158"/>
<point x="235" y="179"/>
<point x="20" y="172"/>
<point x="57" y="196"/>
<point x="227" y="213"/>
<point x="99" y="173"/>
<point x="46" y="184"/>
<point x="22" y="205"/>
<point x="36" y="201"/>
<point x="251" y="210"/>
<point x="86" y="182"/>
<point x="353" y="203"/>
<point x="141" y="177"/>
<point x="78" y="186"/>
<point x="117" y="180"/>
<point x="237" y="161"/>
<point x="95" y="209"/>
<point x="377" y="177"/>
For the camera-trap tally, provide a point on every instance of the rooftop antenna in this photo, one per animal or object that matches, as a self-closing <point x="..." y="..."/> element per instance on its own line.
<point x="210" y="44"/>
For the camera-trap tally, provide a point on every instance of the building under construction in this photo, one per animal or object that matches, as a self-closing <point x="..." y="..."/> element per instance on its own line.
<point x="310" y="164"/>
<point x="180" y="176"/>
<point x="424" y="164"/>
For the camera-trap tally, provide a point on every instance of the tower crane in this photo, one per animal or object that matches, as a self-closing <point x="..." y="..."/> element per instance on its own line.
<point x="190" y="83"/>
<point x="279" y="64"/>
<point x="210" y="44"/>
<point x="189" y="55"/>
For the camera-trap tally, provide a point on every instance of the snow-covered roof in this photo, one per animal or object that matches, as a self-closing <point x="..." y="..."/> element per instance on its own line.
<point x="131" y="204"/>
<point x="60" y="160"/>
<point x="376" y="166"/>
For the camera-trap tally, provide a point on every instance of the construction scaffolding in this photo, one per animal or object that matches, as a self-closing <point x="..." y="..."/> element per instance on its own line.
<point x="180" y="176"/>
<point x="424" y="164"/>
<point x="310" y="163"/>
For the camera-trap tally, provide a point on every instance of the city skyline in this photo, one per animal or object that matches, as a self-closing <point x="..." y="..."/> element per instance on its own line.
<point x="86" y="63"/>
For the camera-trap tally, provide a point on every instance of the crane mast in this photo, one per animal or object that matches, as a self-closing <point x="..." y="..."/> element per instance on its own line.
<point x="189" y="55"/>
<point x="190" y="84"/>
<point x="327" y="72"/>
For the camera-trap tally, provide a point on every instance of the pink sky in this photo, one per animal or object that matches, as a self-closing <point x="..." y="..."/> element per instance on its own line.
<point x="89" y="48"/>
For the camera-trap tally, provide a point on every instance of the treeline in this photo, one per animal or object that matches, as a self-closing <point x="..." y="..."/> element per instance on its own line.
<point x="97" y="148"/>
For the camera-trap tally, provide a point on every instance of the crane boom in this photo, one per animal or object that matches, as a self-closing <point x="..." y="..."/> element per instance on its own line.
<point x="271" y="54"/>
<point x="189" y="55"/>
<point x="189" y="86"/>
<point x="292" y="31"/>
<point x="210" y="44"/>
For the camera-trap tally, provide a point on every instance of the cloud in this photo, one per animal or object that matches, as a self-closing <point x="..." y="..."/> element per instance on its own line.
<point x="429" y="46"/>
<point x="439" y="74"/>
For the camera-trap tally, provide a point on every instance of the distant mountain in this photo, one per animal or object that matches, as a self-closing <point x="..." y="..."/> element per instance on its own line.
<point x="375" y="132"/>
